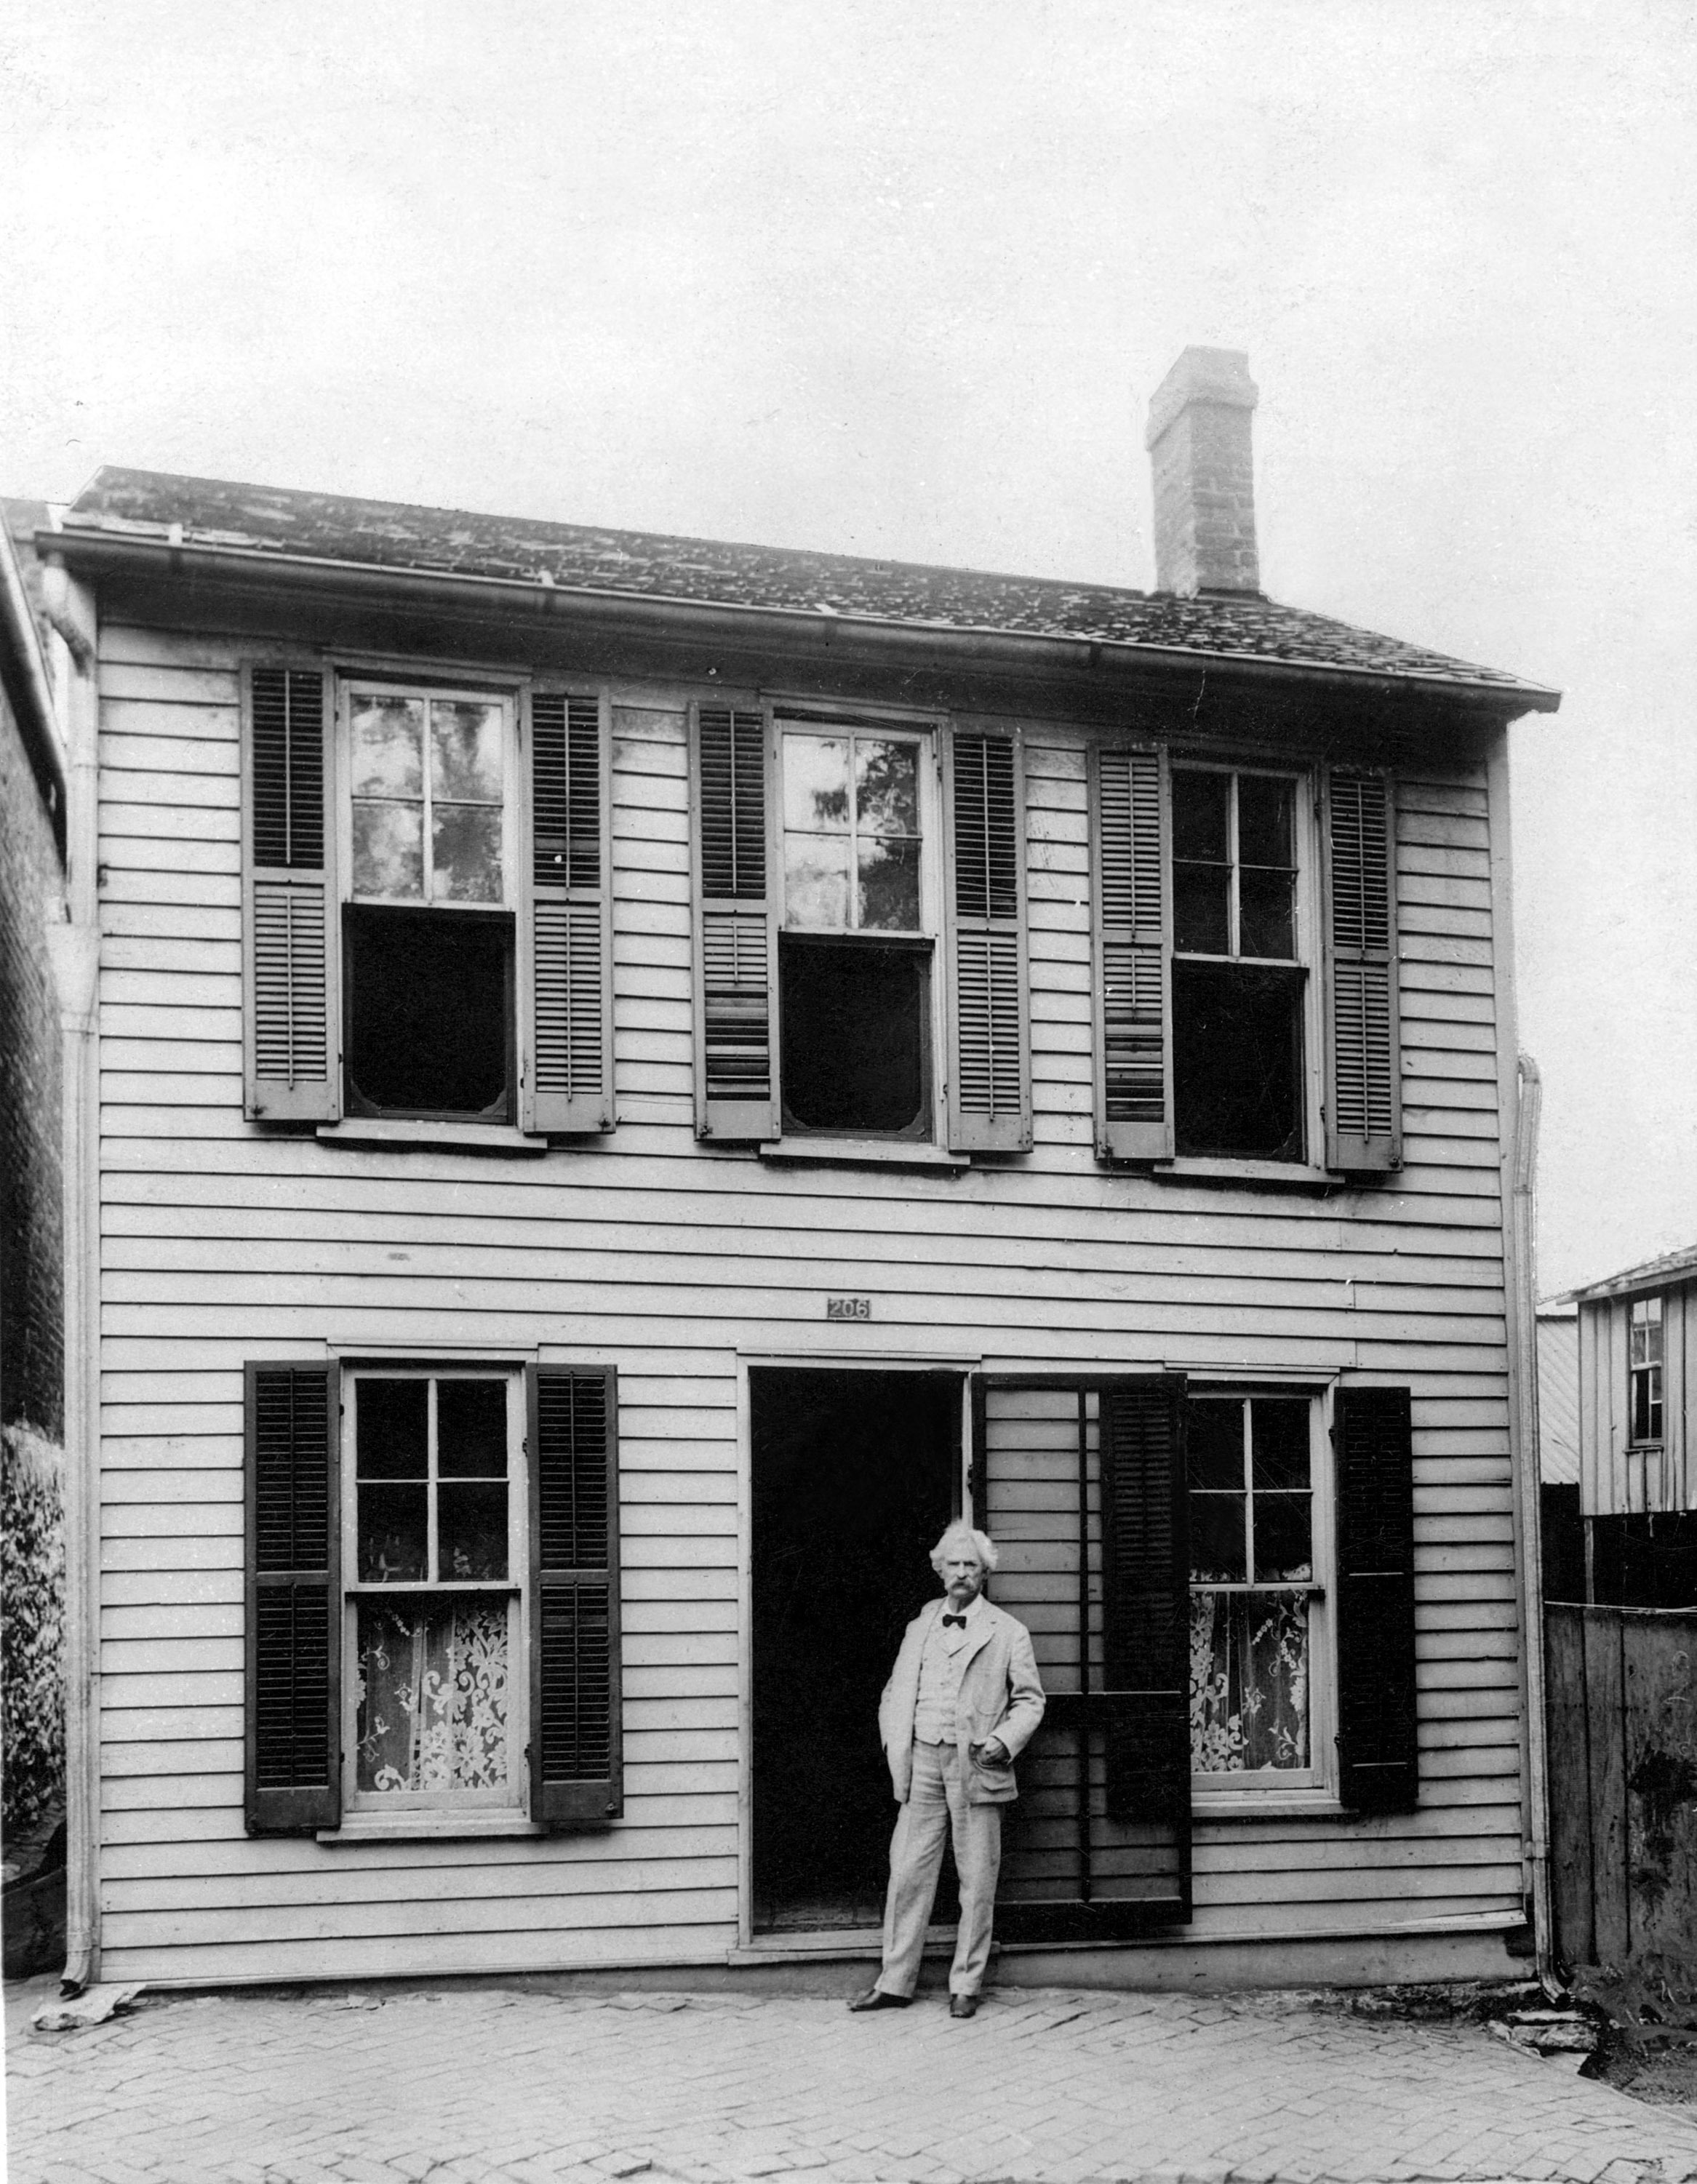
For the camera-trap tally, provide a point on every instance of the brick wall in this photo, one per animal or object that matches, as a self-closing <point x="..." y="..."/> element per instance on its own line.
<point x="31" y="1342"/>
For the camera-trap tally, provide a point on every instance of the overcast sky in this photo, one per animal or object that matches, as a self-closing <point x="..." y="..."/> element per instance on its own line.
<point x="899" y="279"/>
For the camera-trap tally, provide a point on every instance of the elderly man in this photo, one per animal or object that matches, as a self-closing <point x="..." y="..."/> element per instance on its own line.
<point x="962" y="1702"/>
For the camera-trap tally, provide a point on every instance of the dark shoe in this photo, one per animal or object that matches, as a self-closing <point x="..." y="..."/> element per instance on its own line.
<point x="876" y="1998"/>
<point x="962" y="2005"/>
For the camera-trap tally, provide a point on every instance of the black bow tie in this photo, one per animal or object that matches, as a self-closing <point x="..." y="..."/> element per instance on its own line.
<point x="959" y="1621"/>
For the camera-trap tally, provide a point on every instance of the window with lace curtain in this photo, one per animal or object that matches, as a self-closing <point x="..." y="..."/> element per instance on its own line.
<point x="434" y="1542"/>
<point x="1258" y="1540"/>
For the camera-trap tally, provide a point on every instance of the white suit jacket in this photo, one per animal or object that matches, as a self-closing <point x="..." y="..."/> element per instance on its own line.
<point x="1001" y="1694"/>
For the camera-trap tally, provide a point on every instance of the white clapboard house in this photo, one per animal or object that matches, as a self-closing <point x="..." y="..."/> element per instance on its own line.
<point x="631" y="1077"/>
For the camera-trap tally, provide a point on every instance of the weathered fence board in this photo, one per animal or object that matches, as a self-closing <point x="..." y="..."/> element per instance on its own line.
<point x="1622" y="1705"/>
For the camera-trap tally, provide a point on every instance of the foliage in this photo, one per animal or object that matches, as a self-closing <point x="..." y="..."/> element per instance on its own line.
<point x="31" y="1624"/>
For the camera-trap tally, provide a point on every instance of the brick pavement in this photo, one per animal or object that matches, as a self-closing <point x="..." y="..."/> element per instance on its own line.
<point x="488" y="2085"/>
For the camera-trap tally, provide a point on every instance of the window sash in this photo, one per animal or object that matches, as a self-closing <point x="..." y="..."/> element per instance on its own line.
<point x="787" y="727"/>
<point x="1234" y="867"/>
<point x="352" y="688"/>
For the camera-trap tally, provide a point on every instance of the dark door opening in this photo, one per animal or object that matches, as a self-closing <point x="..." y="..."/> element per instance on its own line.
<point x="855" y="1475"/>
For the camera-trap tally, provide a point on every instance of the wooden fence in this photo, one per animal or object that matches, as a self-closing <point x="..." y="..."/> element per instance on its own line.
<point x="1622" y="1692"/>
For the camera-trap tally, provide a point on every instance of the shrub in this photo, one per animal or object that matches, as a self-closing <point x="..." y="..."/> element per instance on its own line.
<point x="32" y="1623"/>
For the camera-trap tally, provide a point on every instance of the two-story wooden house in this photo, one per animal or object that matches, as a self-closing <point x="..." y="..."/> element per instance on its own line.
<point x="637" y="1075"/>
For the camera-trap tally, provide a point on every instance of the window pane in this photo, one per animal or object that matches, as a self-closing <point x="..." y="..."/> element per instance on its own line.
<point x="393" y="1529"/>
<point x="1267" y="917"/>
<point x="432" y="1696"/>
<point x="1214" y="1445"/>
<point x="1284" y="1546"/>
<point x="1264" y="821"/>
<point x="471" y="1530"/>
<point x="855" y="1028"/>
<point x="391" y="1428"/>
<point x="816" y="882"/>
<point x="470" y="1429"/>
<point x="388" y="736"/>
<point x="466" y="852"/>
<point x="1201" y="918"/>
<point x="429" y="1014"/>
<point x="1248" y="1682"/>
<point x="1200" y="802"/>
<point x="1279" y="1429"/>
<point x="465" y="747"/>
<point x="886" y="778"/>
<point x="889" y="886"/>
<point x="1218" y="1552"/>
<point x="389" y="851"/>
<point x="816" y="782"/>
<point x="1237" y="1061"/>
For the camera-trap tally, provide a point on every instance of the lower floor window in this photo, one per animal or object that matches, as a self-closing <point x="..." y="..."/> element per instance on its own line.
<point x="1255" y="1601"/>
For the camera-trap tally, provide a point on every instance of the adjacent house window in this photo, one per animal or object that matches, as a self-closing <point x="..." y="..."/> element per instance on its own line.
<point x="1256" y="1601"/>
<point x="1644" y="1369"/>
<point x="1237" y="983"/>
<point x="855" y="950"/>
<point x="435" y="1548"/>
<point x="428" y="924"/>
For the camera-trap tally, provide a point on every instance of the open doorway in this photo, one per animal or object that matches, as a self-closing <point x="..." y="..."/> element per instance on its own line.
<point x="855" y="1474"/>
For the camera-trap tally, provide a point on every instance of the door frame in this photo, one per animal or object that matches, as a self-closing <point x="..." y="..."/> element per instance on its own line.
<point x="960" y="1365"/>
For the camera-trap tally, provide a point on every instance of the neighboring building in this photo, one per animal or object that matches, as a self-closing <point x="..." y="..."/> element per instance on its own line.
<point x="639" y="1076"/>
<point x="32" y="880"/>
<point x="1561" y="1533"/>
<point x="1638" y="1432"/>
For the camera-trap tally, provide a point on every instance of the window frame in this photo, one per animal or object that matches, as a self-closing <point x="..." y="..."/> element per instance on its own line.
<point x="422" y="1810"/>
<point x="1305" y="963"/>
<point x="1223" y="1792"/>
<point x="1652" y="1371"/>
<point x="925" y="732"/>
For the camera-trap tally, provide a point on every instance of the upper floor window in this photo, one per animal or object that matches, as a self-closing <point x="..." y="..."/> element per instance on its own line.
<point x="1239" y="1082"/>
<point x="428" y="928"/>
<point x="854" y="984"/>
<point x="1644" y="1369"/>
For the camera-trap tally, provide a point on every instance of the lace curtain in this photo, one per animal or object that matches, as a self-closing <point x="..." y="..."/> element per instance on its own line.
<point x="432" y="1695"/>
<point x="1248" y="1681"/>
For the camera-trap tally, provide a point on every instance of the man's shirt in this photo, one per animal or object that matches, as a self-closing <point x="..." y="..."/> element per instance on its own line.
<point x="942" y="1666"/>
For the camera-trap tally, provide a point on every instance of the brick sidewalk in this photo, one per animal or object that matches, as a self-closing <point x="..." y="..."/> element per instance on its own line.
<point x="1043" y="2088"/>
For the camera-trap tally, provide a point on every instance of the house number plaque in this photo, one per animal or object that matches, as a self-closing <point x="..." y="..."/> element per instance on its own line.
<point x="848" y="1307"/>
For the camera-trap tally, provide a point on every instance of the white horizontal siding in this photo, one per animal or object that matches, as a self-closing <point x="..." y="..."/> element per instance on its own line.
<point x="222" y="1245"/>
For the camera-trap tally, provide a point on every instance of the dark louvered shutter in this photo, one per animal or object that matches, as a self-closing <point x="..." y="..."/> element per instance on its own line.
<point x="576" y="1775"/>
<point x="291" y="1065"/>
<point x="1378" y="1746"/>
<point x="1145" y="1600"/>
<point x="1133" y="1046"/>
<point x="294" y="1604"/>
<point x="1364" y="1068"/>
<point x="736" y="1085"/>
<point x="570" y="1075"/>
<point x="989" y="1072"/>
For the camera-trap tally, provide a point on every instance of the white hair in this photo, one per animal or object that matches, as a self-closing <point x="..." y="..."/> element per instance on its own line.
<point x="982" y="1546"/>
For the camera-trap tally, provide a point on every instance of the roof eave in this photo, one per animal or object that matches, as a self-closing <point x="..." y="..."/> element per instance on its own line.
<point x="1671" y="1269"/>
<point x="90" y="550"/>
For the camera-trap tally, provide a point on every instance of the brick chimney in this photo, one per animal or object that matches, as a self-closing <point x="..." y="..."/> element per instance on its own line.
<point x="1198" y="443"/>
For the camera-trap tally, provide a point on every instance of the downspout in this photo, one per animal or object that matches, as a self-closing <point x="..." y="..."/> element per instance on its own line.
<point x="73" y="949"/>
<point x="1527" y="1474"/>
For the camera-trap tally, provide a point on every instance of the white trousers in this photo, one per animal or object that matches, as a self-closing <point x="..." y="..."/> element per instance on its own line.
<point x="937" y="1799"/>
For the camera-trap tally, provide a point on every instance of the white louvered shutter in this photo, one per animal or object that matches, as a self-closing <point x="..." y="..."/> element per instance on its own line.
<point x="989" y="1069"/>
<point x="736" y="1062"/>
<point x="569" y="1078"/>
<point x="291" y="1058"/>
<point x="1364" y="1068"/>
<point x="1133" y="1113"/>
